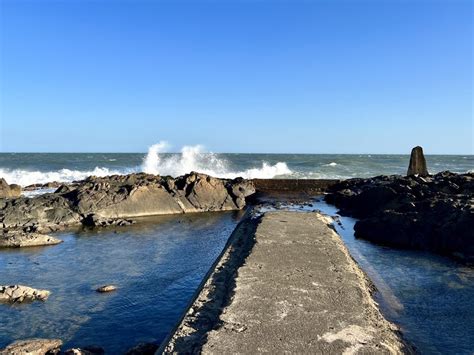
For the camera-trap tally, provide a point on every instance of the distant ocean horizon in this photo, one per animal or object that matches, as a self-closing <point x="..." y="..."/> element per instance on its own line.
<point x="30" y="168"/>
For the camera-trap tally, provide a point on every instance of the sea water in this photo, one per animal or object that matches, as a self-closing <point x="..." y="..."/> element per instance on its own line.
<point x="157" y="265"/>
<point x="29" y="168"/>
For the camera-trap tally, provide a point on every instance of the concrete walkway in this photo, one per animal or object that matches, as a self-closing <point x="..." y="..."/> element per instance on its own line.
<point x="299" y="291"/>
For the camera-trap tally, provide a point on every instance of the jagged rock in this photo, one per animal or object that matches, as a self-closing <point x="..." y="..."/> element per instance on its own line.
<point x="434" y="213"/>
<point x="33" y="347"/>
<point x="143" y="349"/>
<point x="417" y="164"/>
<point x="126" y="196"/>
<point x="18" y="239"/>
<point x="19" y="293"/>
<point x="48" y="185"/>
<point x="107" y="288"/>
<point x="113" y="200"/>
<point x="48" y="210"/>
<point x="9" y="191"/>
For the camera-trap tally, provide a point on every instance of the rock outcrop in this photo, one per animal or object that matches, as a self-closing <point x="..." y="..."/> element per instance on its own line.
<point x="434" y="213"/>
<point x="9" y="191"/>
<point x="19" y="239"/>
<point x="417" y="164"/>
<point x="33" y="347"/>
<point x="113" y="200"/>
<point x="19" y="293"/>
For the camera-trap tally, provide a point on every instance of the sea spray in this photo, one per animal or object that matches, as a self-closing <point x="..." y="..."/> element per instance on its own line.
<point x="25" y="177"/>
<point x="152" y="159"/>
<point x="158" y="160"/>
<point x="195" y="158"/>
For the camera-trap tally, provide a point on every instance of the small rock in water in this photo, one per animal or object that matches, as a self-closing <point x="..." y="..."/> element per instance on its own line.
<point x="33" y="347"/>
<point x="107" y="288"/>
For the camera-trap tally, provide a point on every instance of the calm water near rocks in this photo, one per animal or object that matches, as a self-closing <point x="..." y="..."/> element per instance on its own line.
<point x="156" y="264"/>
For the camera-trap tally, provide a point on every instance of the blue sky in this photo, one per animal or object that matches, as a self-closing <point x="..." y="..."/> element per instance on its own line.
<point x="237" y="76"/>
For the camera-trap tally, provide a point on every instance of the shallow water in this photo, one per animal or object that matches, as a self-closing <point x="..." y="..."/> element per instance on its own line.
<point x="430" y="297"/>
<point x="157" y="265"/>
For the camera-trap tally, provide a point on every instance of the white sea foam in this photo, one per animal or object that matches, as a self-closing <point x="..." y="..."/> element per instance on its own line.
<point x="331" y="164"/>
<point x="191" y="158"/>
<point x="25" y="177"/>
<point x="195" y="158"/>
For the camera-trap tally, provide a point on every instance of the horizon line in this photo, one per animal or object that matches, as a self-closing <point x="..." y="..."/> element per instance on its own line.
<point x="254" y="153"/>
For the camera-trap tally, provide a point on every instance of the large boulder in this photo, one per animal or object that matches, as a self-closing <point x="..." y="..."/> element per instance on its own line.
<point x="33" y="347"/>
<point x="417" y="164"/>
<point x="9" y="191"/>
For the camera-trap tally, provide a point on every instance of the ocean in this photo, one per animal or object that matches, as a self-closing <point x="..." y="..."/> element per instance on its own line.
<point x="29" y="168"/>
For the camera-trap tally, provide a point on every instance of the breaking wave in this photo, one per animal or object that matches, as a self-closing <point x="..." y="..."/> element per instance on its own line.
<point x="156" y="161"/>
<point x="195" y="158"/>
<point x="26" y="177"/>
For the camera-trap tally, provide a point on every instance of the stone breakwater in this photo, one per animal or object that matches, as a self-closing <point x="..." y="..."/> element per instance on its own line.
<point x="99" y="201"/>
<point x="433" y="213"/>
<point x="285" y="284"/>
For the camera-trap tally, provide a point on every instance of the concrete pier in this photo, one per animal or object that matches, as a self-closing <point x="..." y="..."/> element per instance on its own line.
<point x="286" y="285"/>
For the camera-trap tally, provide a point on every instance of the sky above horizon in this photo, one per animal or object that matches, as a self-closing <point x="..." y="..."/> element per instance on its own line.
<point x="320" y="76"/>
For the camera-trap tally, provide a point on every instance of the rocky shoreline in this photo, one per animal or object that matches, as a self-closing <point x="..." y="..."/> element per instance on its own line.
<point x="114" y="200"/>
<point x="433" y="213"/>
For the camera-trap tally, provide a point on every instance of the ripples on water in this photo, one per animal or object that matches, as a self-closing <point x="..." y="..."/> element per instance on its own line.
<point x="156" y="264"/>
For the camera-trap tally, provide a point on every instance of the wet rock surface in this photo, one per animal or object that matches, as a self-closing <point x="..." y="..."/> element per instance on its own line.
<point x="113" y="200"/>
<point x="19" y="294"/>
<point x="434" y="213"/>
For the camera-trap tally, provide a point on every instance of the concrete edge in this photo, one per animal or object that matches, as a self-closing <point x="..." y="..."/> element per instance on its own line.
<point x="216" y="289"/>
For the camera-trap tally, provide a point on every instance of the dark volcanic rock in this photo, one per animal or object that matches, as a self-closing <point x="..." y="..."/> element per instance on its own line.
<point x="112" y="200"/>
<point x="417" y="164"/>
<point x="9" y="191"/>
<point x="434" y="213"/>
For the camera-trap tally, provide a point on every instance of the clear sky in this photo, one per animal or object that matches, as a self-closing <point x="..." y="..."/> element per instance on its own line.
<point x="294" y="76"/>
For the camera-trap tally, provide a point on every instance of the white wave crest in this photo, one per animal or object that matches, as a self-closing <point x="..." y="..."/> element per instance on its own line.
<point x="25" y="177"/>
<point x="331" y="164"/>
<point x="157" y="161"/>
<point x="195" y="158"/>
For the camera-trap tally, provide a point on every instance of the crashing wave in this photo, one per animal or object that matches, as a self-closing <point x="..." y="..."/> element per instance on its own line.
<point x="157" y="161"/>
<point x="195" y="158"/>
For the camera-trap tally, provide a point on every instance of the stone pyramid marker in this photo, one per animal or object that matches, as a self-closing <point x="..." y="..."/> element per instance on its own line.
<point x="417" y="162"/>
